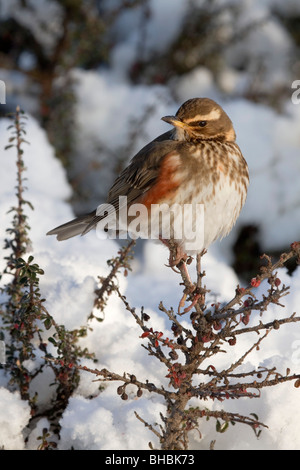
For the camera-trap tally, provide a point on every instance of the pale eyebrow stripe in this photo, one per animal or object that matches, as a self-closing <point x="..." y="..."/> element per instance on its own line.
<point x="212" y="115"/>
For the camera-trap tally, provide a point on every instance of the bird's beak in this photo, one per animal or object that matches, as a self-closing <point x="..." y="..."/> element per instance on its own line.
<point x="174" y="121"/>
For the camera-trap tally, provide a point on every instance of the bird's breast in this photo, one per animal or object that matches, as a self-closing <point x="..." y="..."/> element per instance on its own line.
<point x="210" y="165"/>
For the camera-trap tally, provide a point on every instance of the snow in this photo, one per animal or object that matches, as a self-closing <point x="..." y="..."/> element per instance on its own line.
<point x="81" y="423"/>
<point x="106" y="106"/>
<point x="198" y="82"/>
<point x="158" y="32"/>
<point x="14" y="415"/>
<point x="98" y="128"/>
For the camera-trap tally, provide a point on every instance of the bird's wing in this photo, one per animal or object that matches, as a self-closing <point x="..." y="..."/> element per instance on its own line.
<point x="133" y="182"/>
<point x="138" y="177"/>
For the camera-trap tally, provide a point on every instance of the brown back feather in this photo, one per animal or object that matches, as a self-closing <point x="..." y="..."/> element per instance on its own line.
<point x="140" y="175"/>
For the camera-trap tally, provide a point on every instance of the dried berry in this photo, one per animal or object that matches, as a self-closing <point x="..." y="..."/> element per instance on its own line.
<point x="173" y="355"/>
<point x="217" y="326"/>
<point x="206" y="338"/>
<point x="240" y="290"/>
<point x="295" y="246"/>
<point x="246" y="319"/>
<point x="297" y="383"/>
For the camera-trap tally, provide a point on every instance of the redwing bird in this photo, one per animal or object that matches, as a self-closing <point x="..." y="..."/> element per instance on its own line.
<point x="196" y="164"/>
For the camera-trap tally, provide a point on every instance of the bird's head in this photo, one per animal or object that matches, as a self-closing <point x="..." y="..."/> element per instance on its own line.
<point x="201" y="119"/>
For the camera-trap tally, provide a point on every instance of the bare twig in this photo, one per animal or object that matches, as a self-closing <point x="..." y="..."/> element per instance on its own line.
<point x="202" y="338"/>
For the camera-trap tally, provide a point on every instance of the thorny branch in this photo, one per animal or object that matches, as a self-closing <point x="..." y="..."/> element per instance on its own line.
<point x="108" y="283"/>
<point x="210" y="331"/>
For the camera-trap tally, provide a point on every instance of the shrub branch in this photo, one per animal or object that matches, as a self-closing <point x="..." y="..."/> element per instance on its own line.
<point x="210" y="331"/>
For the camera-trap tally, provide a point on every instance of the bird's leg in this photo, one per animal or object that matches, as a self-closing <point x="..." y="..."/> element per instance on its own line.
<point x="189" y="285"/>
<point x="179" y="259"/>
<point x="176" y="253"/>
<point x="198" y="295"/>
<point x="171" y="263"/>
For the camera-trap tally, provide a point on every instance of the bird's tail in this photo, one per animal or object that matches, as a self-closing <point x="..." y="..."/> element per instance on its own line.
<point x="79" y="226"/>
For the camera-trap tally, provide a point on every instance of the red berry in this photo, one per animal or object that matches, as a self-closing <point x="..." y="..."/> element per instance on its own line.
<point x="206" y="338"/>
<point x="145" y="334"/>
<point x="240" y="290"/>
<point x="246" y="319"/>
<point x="295" y="246"/>
<point x="255" y="282"/>
<point x="217" y="326"/>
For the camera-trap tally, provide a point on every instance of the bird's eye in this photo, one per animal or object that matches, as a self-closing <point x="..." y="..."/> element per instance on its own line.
<point x="199" y="123"/>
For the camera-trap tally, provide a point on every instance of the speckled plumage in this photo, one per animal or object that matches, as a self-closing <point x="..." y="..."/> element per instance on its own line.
<point x="198" y="162"/>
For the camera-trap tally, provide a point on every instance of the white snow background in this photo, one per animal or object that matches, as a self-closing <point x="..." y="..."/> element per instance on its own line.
<point x="270" y="143"/>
